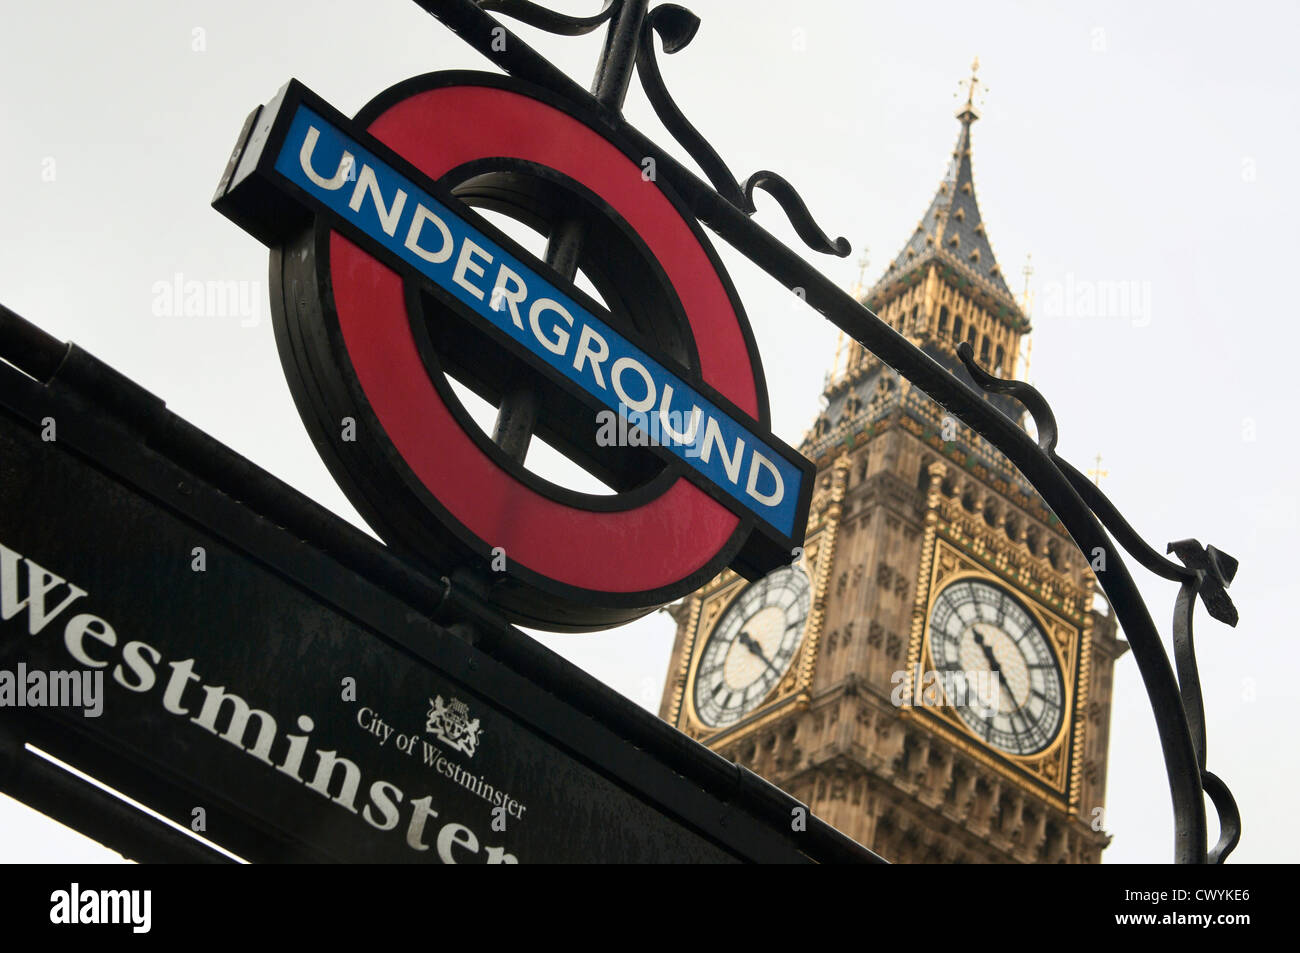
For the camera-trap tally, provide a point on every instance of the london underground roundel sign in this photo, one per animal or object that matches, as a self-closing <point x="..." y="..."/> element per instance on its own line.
<point x="386" y="281"/>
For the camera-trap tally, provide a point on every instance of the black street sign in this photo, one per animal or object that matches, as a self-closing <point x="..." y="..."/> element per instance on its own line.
<point x="252" y="685"/>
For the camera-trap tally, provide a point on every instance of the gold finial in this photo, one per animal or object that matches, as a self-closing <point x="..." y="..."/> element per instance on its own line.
<point x="865" y="260"/>
<point x="836" y="372"/>
<point x="973" y="81"/>
<point x="1026" y="298"/>
<point x="968" y="113"/>
<point x="1097" y="472"/>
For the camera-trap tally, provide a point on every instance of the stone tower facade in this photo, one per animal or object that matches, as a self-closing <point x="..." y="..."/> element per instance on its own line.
<point x="933" y="675"/>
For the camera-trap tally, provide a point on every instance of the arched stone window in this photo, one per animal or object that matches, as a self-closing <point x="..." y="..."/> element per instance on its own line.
<point x="1054" y="554"/>
<point x="923" y="477"/>
<point x="1012" y="526"/>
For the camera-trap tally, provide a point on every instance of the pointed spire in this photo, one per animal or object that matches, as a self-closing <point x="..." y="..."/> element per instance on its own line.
<point x="951" y="228"/>
<point x="944" y="289"/>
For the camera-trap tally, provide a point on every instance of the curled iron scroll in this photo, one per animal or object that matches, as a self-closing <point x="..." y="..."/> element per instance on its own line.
<point x="1229" y="817"/>
<point x="676" y="27"/>
<point x="1033" y="401"/>
<point x="1205" y="572"/>
<point x="795" y="210"/>
<point x="536" y="15"/>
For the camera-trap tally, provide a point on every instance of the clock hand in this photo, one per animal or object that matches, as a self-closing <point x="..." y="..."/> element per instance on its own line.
<point x="994" y="665"/>
<point x="987" y="649"/>
<point x="748" y="642"/>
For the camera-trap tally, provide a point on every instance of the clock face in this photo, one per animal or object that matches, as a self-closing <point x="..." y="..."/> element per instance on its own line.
<point x="996" y="667"/>
<point x="751" y="647"/>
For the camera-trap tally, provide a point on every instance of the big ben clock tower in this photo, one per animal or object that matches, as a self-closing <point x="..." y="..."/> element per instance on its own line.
<point x="932" y="674"/>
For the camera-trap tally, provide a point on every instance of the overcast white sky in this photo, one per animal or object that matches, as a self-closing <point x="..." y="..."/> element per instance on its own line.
<point x="1149" y="143"/>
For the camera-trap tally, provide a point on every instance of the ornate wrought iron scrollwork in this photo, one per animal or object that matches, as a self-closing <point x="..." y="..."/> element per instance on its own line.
<point x="1206" y="572"/>
<point x="795" y="210"/>
<point x="676" y="27"/>
<point x="1212" y="571"/>
<point x="1026" y="394"/>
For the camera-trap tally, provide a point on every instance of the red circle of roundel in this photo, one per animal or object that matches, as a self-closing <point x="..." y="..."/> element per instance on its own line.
<point x="647" y="547"/>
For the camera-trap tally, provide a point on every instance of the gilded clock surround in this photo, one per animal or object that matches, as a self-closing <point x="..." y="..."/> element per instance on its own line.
<point x="790" y="690"/>
<point x="751" y="647"/>
<point x="1048" y="770"/>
